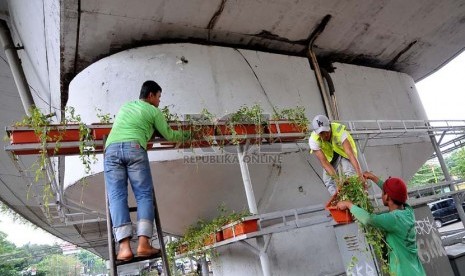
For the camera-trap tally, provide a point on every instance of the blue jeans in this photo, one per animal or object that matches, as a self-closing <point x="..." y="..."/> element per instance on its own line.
<point x="129" y="161"/>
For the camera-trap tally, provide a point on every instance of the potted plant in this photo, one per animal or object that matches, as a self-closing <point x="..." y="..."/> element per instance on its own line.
<point x="340" y="217"/>
<point x="245" y="121"/>
<point x="239" y="224"/>
<point x="38" y="128"/>
<point x="288" y="121"/>
<point x="202" y="127"/>
<point x="103" y="127"/>
<point x="353" y="189"/>
<point x="175" y="123"/>
<point x="86" y="141"/>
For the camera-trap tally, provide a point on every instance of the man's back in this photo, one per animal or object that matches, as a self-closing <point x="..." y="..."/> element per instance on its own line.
<point x="134" y="122"/>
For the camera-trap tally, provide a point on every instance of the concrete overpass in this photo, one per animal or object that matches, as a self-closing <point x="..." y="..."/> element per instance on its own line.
<point x="94" y="54"/>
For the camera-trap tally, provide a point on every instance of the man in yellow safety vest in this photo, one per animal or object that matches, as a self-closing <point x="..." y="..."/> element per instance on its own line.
<point x="333" y="145"/>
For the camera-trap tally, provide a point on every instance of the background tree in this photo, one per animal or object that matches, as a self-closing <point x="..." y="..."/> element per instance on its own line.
<point x="92" y="263"/>
<point x="456" y="163"/>
<point x="12" y="259"/>
<point x="427" y="174"/>
<point x="59" y="265"/>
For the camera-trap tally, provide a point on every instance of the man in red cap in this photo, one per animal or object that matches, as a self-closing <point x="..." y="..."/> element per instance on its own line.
<point x="398" y="224"/>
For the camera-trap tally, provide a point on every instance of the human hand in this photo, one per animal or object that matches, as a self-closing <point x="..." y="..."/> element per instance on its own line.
<point x="344" y="205"/>
<point x="369" y="175"/>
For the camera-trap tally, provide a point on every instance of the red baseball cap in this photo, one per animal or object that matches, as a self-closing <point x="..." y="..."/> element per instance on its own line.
<point x="396" y="189"/>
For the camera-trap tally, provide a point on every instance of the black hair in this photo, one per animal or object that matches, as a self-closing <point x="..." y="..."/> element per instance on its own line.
<point x="147" y="88"/>
<point x="397" y="202"/>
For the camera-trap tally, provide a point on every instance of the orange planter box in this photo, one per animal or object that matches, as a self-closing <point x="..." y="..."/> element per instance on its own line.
<point x="25" y="135"/>
<point x="202" y="130"/>
<point x="281" y="126"/>
<point x="240" y="228"/>
<point x="213" y="237"/>
<point x="100" y="130"/>
<point x="340" y="217"/>
<point x="240" y="129"/>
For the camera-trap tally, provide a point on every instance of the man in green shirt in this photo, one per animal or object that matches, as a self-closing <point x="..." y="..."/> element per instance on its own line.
<point x="398" y="225"/>
<point x="126" y="159"/>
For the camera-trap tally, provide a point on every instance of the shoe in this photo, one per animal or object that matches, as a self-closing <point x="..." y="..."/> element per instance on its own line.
<point x="147" y="252"/>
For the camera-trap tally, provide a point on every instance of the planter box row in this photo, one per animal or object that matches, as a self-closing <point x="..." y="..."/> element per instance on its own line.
<point x="62" y="133"/>
<point x="229" y="231"/>
<point x="70" y="133"/>
<point x="234" y="229"/>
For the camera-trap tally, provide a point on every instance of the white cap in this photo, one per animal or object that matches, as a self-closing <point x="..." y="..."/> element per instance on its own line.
<point x="320" y="123"/>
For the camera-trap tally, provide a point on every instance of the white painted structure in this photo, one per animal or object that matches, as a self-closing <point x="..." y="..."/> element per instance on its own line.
<point x="222" y="80"/>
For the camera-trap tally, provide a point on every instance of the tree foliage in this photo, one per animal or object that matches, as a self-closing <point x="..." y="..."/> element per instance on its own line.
<point x="45" y="260"/>
<point x="10" y="260"/>
<point x="427" y="174"/>
<point x="59" y="265"/>
<point x="456" y="163"/>
<point x="432" y="173"/>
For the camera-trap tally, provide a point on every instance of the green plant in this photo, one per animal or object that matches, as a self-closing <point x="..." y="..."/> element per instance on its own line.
<point x="353" y="189"/>
<point x="196" y="234"/>
<point x="294" y="115"/>
<point x="104" y="118"/>
<point x="202" y="126"/>
<point x="86" y="142"/>
<point x="40" y="123"/>
<point x="169" y="117"/>
<point x="246" y="115"/>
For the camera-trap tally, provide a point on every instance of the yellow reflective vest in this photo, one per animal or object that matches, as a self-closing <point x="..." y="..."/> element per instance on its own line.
<point x="335" y="145"/>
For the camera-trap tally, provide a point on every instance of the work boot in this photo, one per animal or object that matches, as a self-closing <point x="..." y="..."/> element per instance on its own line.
<point x="145" y="249"/>
<point x="125" y="252"/>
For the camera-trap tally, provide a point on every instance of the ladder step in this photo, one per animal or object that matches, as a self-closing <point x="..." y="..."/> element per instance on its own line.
<point x="138" y="259"/>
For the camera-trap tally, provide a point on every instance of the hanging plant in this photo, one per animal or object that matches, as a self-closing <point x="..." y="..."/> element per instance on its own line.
<point x="246" y="120"/>
<point x="353" y="189"/>
<point x="86" y="141"/>
<point x="202" y="128"/>
<point x="169" y="117"/>
<point x="104" y="118"/>
<point x="175" y="123"/>
<point x="45" y="132"/>
<point x="294" y="115"/>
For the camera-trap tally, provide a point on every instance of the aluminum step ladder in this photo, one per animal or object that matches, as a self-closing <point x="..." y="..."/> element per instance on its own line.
<point x="111" y="241"/>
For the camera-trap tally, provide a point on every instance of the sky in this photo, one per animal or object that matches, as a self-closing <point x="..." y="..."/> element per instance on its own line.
<point x="21" y="234"/>
<point x="442" y="95"/>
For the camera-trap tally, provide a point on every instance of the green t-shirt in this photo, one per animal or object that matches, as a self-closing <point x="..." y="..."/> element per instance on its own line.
<point x="137" y="120"/>
<point x="399" y="227"/>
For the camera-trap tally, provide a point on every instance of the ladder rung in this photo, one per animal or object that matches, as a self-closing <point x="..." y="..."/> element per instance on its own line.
<point x="138" y="259"/>
<point x="132" y="209"/>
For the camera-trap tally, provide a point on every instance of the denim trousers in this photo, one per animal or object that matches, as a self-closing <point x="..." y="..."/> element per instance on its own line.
<point x="129" y="161"/>
<point x="347" y="170"/>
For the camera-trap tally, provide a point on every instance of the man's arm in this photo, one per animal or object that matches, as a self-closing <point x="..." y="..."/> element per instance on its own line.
<point x="374" y="178"/>
<point x="386" y="222"/>
<point x="324" y="163"/>
<point x="353" y="160"/>
<point x="165" y="130"/>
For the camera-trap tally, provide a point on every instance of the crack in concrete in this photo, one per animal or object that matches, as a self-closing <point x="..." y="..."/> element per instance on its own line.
<point x="258" y="80"/>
